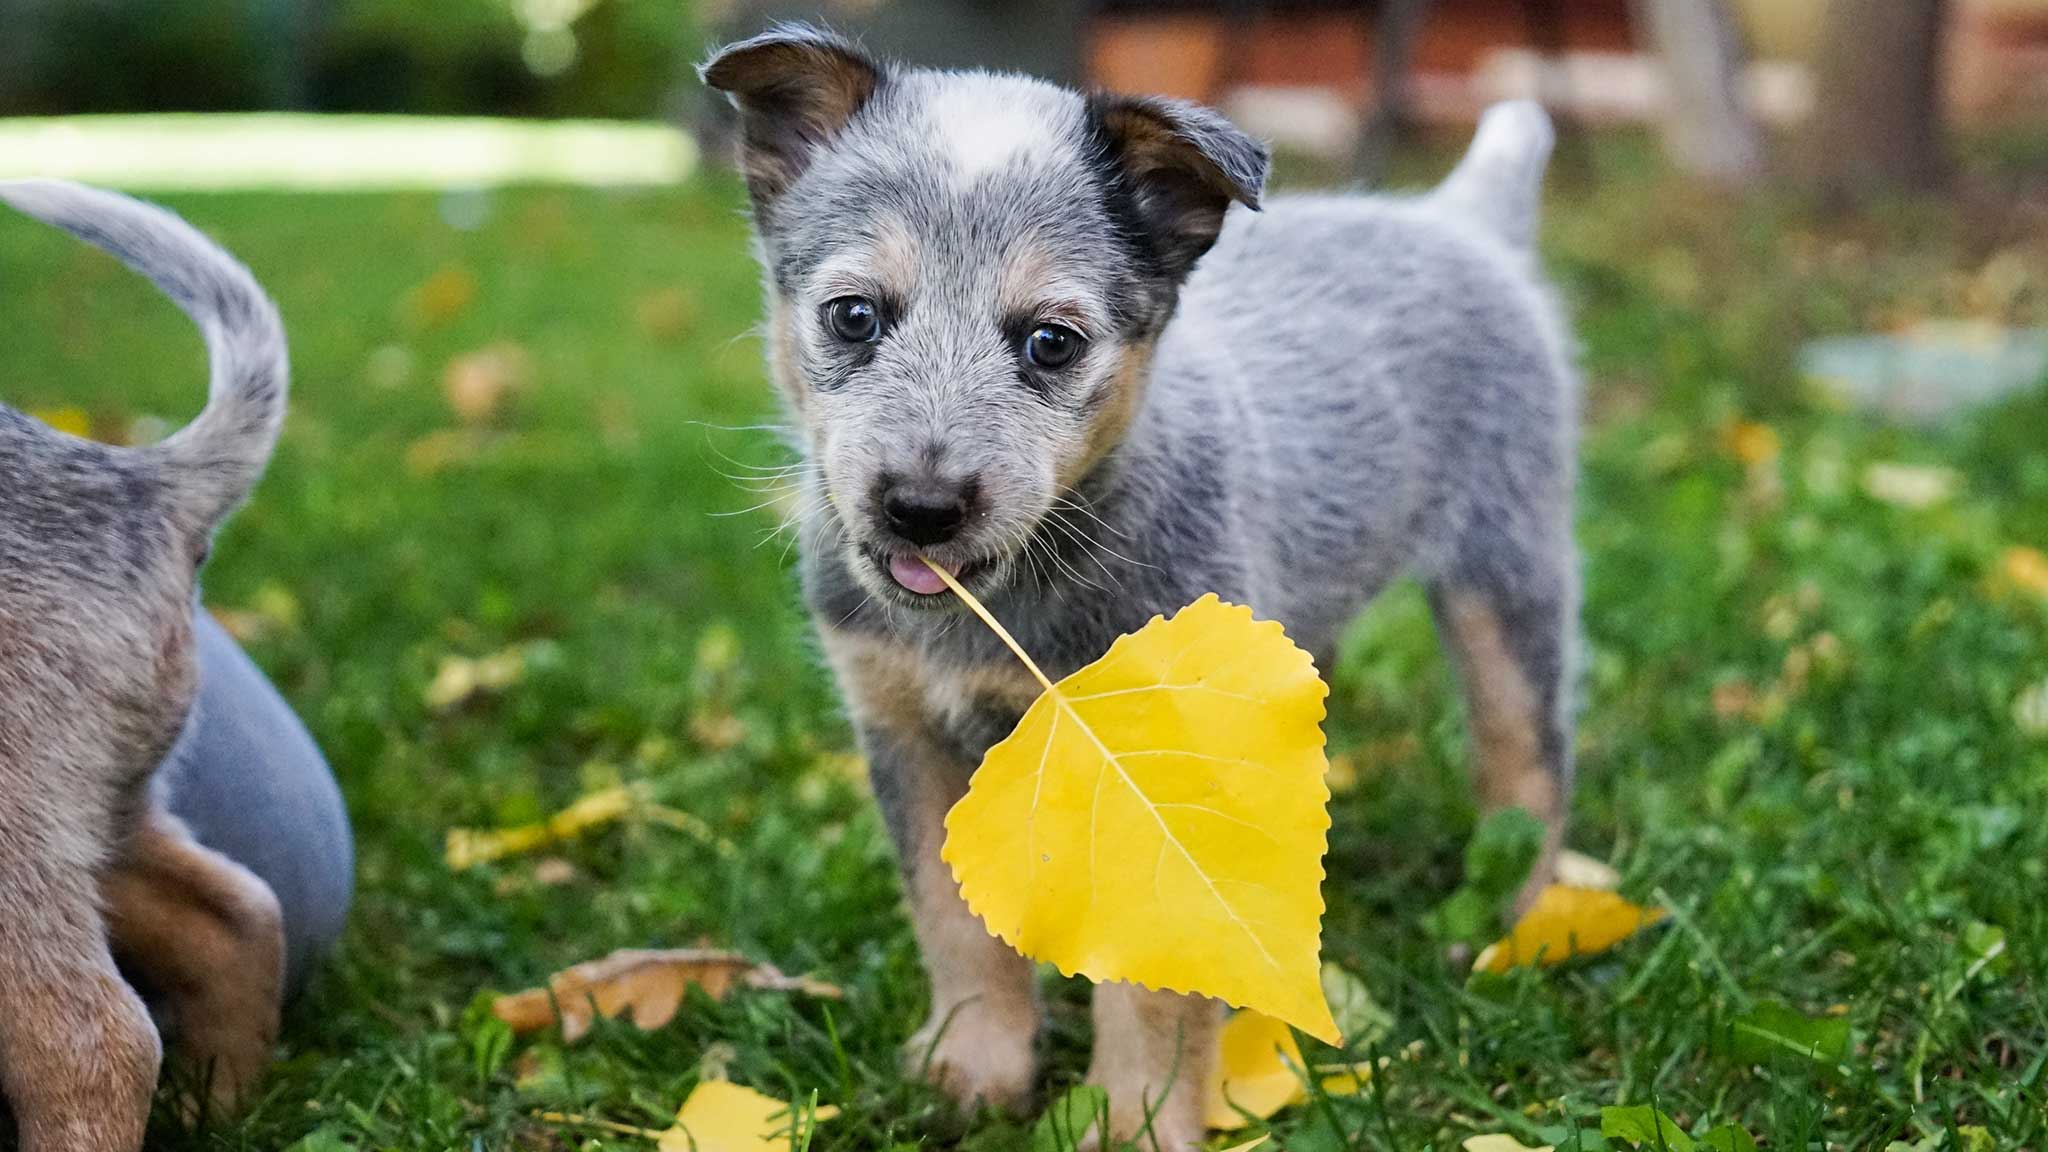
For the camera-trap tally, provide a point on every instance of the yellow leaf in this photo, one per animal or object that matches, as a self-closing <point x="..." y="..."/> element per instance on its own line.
<point x="1750" y="442"/>
<point x="2025" y="569"/>
<point x="1563" y="923"/>
<point x="478" y="385"/>
<point x="1578" y="870"/>
<point x="468" y="847"/>
<point x="725" y="1117"/>
<point x="667" y="313"/>
<point x="70" y="420"/>
<point x="645" y="985"/>
<point x="441" y="297"/>
<point x="1160" y="816"/>
<point x="460" y="678"/>
<point x="1348" y="1081"/>
<point x="1500" y="1142"/>
<point x="1343" y="774"/>
<point x="1257" y="1070"/>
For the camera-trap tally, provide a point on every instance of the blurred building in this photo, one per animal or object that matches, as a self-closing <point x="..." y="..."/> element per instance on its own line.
<point x="1302" y="72"/>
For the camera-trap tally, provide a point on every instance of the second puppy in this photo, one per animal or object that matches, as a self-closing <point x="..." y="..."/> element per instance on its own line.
<point x="100" y="549"/>
<point x="1026" y="336"/>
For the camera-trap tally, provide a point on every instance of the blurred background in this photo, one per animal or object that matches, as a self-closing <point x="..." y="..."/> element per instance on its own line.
<point x="1883" y="82"/>
<point x="526" y="537"/>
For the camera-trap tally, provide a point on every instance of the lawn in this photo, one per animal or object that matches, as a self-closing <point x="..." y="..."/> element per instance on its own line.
<point x="1804" y="731"/>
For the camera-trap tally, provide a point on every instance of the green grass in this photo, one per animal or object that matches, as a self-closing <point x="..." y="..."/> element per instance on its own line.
<point x="1826" y="839"/>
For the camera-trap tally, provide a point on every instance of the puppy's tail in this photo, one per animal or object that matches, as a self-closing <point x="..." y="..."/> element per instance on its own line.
<point x="216" y="459"/>
<point x="1499" y="183"/>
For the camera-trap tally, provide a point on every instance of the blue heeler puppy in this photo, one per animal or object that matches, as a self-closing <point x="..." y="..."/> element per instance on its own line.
<point x="101" y="663"/>
<point x="1026" y="335"/>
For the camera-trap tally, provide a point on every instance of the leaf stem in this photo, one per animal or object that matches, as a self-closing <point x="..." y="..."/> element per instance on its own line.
<point x="989" y="619"/>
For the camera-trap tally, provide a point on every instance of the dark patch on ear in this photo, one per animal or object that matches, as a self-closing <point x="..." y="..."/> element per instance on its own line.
<point x="1182" y="165"/>
<point x="795" y="87"/>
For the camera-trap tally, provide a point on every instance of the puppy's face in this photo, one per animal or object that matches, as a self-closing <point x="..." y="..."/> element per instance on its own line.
<point x="966" y="275"/>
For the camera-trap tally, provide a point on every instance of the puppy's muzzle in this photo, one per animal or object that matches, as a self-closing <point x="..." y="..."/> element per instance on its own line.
<point x="929" y="511"/>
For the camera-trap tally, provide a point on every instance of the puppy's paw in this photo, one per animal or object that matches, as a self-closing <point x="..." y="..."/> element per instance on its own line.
<point x="1138" y="1115"/>
<point x="977" y="1056"/>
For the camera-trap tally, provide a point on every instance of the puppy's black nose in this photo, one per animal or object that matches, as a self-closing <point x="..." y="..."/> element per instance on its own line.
<point x="927" y="512"/>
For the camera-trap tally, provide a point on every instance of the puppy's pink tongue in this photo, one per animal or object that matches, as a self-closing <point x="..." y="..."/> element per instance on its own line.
<point x="911" y="572"/>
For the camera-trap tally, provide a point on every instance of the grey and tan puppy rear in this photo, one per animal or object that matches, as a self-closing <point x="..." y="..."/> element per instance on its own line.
<point x="1043" y="339"/>
<point x="99" y="552"/>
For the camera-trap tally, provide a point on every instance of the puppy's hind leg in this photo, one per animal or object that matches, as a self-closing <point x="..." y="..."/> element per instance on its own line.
<point x="1511" y="625"/>
<point x="207" y="935"/>
<point x="78" y="1052"/>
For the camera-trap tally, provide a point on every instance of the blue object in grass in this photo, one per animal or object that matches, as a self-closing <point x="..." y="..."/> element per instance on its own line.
<point x="248" y="780"/>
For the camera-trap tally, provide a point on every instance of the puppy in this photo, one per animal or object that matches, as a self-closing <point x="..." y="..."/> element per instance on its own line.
<point x="99" y="553"/>
<point x="1026" y="335"/>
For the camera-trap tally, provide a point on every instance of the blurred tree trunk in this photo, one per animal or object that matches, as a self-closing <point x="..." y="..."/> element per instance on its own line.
<point x="1395" y="28"/>
<point x="1878" y="121"/>
<point x="1708" y="131"/>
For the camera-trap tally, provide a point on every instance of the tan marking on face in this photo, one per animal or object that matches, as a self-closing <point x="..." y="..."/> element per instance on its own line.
<point x="1126" y="385"/>
<point x="785" y="359"/>
<point x="894" y="258"/>
<point x="1507" y="724"/>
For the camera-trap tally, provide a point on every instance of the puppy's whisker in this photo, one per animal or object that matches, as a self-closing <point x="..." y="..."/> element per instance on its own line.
<point x="1081" y="506"/>
<point x="1069" y="505"/>
<point x="1067" y="568"/>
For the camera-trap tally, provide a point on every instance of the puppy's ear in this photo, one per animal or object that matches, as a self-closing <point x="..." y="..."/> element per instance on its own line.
<point x="1183" y="165"/>
<point x="795" y="88"/>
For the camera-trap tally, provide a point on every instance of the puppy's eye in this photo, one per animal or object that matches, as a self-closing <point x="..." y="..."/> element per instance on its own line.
<point x="1052" y="346"/>
<point x="854" y="319"/>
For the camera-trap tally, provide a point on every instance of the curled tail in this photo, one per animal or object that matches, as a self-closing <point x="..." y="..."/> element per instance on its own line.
<point x="1499" y="183"/>
<point x="214" y="461"/>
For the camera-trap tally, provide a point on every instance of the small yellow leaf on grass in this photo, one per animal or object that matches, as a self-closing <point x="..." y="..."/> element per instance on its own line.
<point x="479" y="384"/>
<point x="646" y="985"/>
<point x="69" y="419"/>
<point x="1500" y="1142"/>
<point x="725" y="1117"/>
<point x="1257" y="1070"/>
<point x="1578" y="870"/>
<point x="1750" y="442"/>
<point x="468" y="847"/>
<point x="460" y="677"/>
<point x="440" y="297"/>
<point x="1160" y="816"/>
<point x="2024" y="569"/>
<point x="1563" y="923"/>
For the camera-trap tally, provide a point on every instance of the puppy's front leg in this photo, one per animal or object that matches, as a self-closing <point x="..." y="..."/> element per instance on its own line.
<point x="980" y="1039"/>
<point x="78" y="1053"/>
<point x="1153" y="1052"/>
<point x="208" y="935"/>
<point x="979" y="1042"/>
